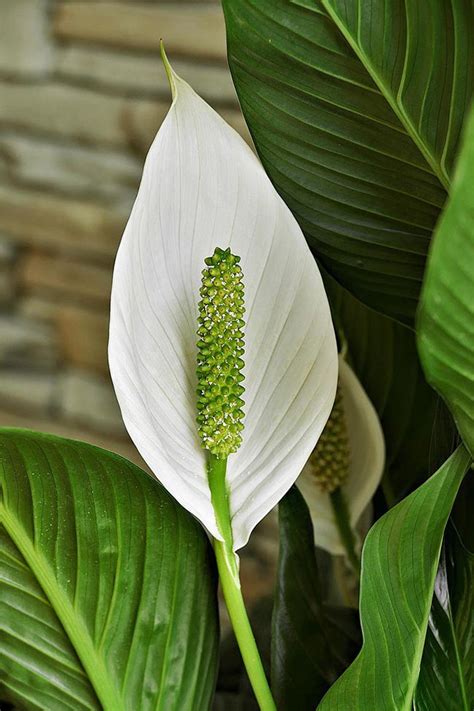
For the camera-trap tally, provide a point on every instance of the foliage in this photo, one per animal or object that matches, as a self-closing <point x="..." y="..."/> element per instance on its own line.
<point x="312" y="641"/>
<point x="399" y="565"/>
<point x="446" y="317"/>
<point x="107" y="588"/>
<point x="419" y="433"/>
<point x="359" y="133"/>
<point x="356" y="110"/>
<point x="447" y="675"/>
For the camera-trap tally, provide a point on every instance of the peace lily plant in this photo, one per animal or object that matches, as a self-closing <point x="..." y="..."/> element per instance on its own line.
<point x="224" y="359"/>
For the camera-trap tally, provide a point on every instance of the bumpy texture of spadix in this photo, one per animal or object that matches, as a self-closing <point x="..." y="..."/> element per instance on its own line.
<point x="220" y="351"/>
<point x="330" y="459"/>
<point x="360" y="453"/>
<point x="202" y="188"/>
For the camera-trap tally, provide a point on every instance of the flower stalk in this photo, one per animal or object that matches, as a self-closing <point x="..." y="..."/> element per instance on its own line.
<point x="219" y="420"/>
<point x="228" y="569"/>
<point x="346" y="533"/>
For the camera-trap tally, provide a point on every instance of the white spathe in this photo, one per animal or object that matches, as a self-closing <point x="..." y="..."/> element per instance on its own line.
<point x="366" y="465"/>
<point x="202" y="187"/>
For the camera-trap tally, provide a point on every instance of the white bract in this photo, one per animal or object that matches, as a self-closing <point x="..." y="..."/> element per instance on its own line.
<point x="366" y="465"/>
<point x="202" y="188"/>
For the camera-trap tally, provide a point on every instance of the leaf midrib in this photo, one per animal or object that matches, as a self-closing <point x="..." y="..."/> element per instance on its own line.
<point x="394" y="105"/>
<point x="93" y="663"/>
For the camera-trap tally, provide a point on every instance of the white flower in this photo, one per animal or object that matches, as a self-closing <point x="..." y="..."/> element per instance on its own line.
<point x="202" y="188"/>
<point x="366" y="465"/>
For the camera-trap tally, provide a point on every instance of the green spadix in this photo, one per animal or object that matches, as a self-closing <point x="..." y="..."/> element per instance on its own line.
<point x="329" y="462"/>
<point x="220" y="351"/>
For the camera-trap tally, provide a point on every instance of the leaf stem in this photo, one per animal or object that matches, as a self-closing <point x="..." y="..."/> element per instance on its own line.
<point x="341" y="514"/>
<point x="227" y="565"/>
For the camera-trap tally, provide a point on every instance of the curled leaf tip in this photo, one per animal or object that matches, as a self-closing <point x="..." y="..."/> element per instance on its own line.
<point x="168" y="68"/>
<point x="220" y="351"/>
<point x="329" y="461"/>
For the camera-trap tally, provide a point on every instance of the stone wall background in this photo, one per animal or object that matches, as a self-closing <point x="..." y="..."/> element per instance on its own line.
<point x="82" y="93"/>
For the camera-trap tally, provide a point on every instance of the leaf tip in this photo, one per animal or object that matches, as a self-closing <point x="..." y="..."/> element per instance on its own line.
<point x="168" y="69"/>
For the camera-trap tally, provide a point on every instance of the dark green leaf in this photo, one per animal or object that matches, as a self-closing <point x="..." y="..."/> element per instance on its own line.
<point x="312" y="643"/>
<point x="446" y="317"/>
<point x="355" y="108"/>
<point x="399" y="563"/>
<point x="419" y="433"/>
<point x="446" y="681"/>
<point x="107" y="586"/>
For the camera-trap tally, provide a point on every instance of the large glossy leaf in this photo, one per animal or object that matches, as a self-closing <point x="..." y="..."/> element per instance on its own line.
<point x="107" y="587"/>
<point x="446" y="318"/>
<point x="446" y="680"/>
<point x="399" y="563"/>
<point x="419" y="433"/>
<point x="312" y="642"/>
<point x="355" y="108"/>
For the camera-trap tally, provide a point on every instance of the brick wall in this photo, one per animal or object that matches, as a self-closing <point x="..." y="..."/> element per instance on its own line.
<point x="82" y="93"/>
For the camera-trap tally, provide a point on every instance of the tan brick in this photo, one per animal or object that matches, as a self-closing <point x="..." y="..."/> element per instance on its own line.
<point x="90" y="400"/>
<point x="83" y="337"/>
<point x="128" y="72"/>
<point x="25" y="49"/>
<point x="77" y="170"/>
<point x="7" y="288"/>
<point x="27" y="391"/>
<point x="72" y="112"/>
<point x="25" y="343"/>
<point x="81" y="333"/>
<point x="91" y="117"/>
<point x="193" y="30"/>
<point x="8" y="281"/>
<point x="63" y="276"/>
<point x="8" y="252"/>
<point x="71" y="226"/>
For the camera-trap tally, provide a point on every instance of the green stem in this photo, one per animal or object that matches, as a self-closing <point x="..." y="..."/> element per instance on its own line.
<point x="343" y="523"/>
<point x="227" y="566"/>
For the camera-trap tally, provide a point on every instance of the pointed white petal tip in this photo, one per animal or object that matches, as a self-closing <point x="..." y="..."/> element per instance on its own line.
<point x="366" y="466"/>
<point x="173" y="78"/>
<point x="202" y="187"/>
